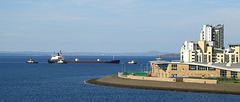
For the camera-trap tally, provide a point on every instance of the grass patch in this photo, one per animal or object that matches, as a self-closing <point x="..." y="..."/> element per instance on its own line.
<point x="136" y="73"/>
<point x="230" y="82"/>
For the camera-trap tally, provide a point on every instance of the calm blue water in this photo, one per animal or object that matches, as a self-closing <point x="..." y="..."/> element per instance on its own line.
<point x="65" y="82"/>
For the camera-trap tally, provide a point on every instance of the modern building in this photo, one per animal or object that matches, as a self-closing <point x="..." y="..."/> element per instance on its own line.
<point x="214" y="34"/>
<point x="205" y="58"/>
<point x="163" y="69"/>
<point x="210" y="47"/>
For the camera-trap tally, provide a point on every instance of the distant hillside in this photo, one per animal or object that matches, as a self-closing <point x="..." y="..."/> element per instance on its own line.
<point x="23" y="53"/>
<point x="169" y="55"/>
<point x="30" y="53"/>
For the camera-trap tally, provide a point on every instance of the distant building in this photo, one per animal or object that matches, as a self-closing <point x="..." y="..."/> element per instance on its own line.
<point x="214" y="34"/>
<point x="205" y="58"/>
<point x="210" y="47"/>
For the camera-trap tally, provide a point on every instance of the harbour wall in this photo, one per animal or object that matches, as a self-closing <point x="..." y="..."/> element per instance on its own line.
<point x="188" y="80"/>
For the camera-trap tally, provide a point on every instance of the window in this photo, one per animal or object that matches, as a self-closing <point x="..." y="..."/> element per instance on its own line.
<point x="174" y="67"/>
<point x="174" y="75"/>
<point x="163" y="66"/>
<point x="192" y="67"/>
<point x="223" y="73"/>
<point x="162" y="74"/>
<point x="233" y="74"/>
<point x="165" y="75"/>
<point x="237" y="59"/>
<point x="210" y="68"/>
<point x="202" y="68"/>
<point x="209" y="58"/>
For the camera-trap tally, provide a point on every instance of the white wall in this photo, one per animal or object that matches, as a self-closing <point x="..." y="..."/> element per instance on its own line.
<point x="186" y="57"/>
<point x="189" y="45"/>
<point x="207" y="33"/>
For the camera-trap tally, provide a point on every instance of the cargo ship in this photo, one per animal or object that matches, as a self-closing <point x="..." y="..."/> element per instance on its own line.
<point x="59" y="59"/>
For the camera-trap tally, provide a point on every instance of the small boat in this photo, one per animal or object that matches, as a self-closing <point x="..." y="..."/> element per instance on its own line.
<point x="131" y="62"/>
<point x="31" y="61"/>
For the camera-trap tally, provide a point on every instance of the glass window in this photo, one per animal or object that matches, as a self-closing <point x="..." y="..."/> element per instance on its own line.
<point x="174" y="75"/>
<point x="174" y="67"/>
<point x="163" y="66"/>
<point x="233" y="74"/>
<point x="165" y="75"/>
<point x="210" y="68"/>
<point x="237" y="59"/>
<point x="192" y="67"/>
<point x="223" y="73"/>
<point x="209" y="58"/>
<point x="202" y="68"/>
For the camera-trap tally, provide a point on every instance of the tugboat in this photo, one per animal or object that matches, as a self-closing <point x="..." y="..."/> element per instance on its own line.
<point x="131" y="62"/>
<point x="31" y="61"/>
<point x="57" y="58"/>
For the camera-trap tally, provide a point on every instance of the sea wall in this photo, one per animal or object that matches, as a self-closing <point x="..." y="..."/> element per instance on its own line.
<point x="116" y="81"/>
<point x="146" y="78"/>
<point x="203" y="81"/>
<point x="188" y="80"/>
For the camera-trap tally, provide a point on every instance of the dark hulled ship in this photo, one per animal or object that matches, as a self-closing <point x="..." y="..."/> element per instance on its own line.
<point x="59" y="59"/>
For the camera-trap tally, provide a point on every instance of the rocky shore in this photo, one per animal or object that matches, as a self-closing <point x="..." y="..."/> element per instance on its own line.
<point x="115" y="81"/>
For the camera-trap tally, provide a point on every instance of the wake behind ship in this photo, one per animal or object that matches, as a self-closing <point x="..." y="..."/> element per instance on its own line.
<point x="59" y="59"/>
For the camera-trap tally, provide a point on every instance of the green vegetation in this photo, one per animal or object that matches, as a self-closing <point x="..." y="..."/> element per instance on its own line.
<point x="224" y="79"/>
<point x="202" y="78"/>
<point x="136" y="73"/>
<point x="230" y="82"/>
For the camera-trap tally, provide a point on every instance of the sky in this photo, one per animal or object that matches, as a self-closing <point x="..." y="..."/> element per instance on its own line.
<point x="115" y="26"/>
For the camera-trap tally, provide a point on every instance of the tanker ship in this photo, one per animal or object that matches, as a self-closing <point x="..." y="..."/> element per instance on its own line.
<point x="59" y="59"/>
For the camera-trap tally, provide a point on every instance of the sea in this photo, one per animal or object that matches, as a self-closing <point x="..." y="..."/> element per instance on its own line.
<point x="44" y="82"/>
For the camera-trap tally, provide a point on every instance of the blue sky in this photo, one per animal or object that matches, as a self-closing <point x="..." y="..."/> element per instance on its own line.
<point x="112" y="25"/>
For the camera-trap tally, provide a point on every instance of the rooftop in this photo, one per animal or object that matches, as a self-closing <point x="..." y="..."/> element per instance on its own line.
<point x="233" y="67"/>
<point x="234" y="44"/>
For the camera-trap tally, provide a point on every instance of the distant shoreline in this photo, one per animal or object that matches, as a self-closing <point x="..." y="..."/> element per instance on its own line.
<point x="169" y="55"/>
<point x="32" y="53"/>
<point x="115" y="81"/>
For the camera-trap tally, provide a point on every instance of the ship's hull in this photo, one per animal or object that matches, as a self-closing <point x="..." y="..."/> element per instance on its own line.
<point x="131" y="63"/>
<point x="86" y="62"/>
<point x="53" y="61"/>
<point x="32" y="62"/>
